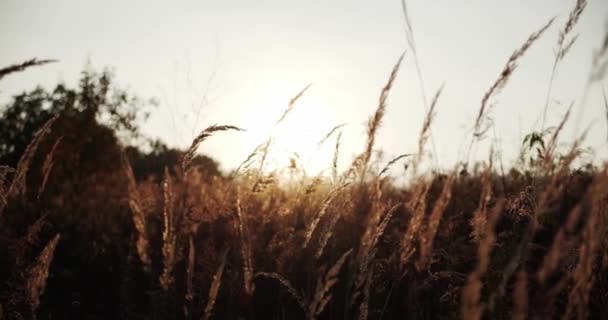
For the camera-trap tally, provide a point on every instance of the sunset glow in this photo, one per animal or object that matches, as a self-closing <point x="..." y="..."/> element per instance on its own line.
<point x="298" y="134"/>
<point x="321" y="160"/>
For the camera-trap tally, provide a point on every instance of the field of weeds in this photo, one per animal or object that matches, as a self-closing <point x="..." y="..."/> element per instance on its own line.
<point x="97" y="235"/>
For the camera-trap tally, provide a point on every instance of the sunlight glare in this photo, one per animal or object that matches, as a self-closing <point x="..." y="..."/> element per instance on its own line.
<point x="298" y="135"/>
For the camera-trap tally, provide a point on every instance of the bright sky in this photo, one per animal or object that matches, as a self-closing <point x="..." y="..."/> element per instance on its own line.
<point x="239" y="62"/>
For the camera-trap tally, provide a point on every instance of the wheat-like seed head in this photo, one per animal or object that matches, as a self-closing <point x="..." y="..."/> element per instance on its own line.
<point x="190" y="269"/>
<point x="18" y="184"/>
<point x="330" y="133"/>
<point x="292" y="103"/>
<point x="189" y="154"/>
<point x="392" y="162"/>
<point x="138" y="216"/>
<point x="425" y="131"/>
<point x="328" y="200"/>
<point x="38" y="273"/>
<point x="301" y="301"/>
<point x="47" y="166"/>
<point x="504" y="77"/>
<point x="573" y="18"/>
<point x="376" y="119"/>
<point x="245" y="249"/>
<point x="426" y="239"/>
<point x="322" y="294"/>
<point x="169" y="236"/>
<point x="215" y="287"/>
<point x="334" y="163"/>
<point x="471" y="306"/>
<point x="22" y="66"/>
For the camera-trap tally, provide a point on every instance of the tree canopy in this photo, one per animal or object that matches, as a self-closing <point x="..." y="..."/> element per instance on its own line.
<point x="96" y="115"/>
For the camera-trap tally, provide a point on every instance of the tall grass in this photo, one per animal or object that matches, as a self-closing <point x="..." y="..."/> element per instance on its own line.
<point x="478" y="244"/>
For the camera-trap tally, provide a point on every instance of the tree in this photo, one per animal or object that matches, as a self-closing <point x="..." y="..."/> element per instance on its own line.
<point x="161" y="156"/>
<point x="95" y="100"/>
<point x="92" y="115"/>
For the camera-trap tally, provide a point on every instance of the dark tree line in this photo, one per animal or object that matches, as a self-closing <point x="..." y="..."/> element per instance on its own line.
<point x="97" y="114"/>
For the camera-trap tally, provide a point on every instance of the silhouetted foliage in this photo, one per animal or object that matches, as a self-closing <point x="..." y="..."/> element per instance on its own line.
<point x="95" y="100"/>
<point x="152" y="163"/>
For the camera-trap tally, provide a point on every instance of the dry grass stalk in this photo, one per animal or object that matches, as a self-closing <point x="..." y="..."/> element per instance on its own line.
<point x="583" y="274"/>
<point x="563" y="47"/>
<point x="249" y="160"/>
<point x="565" y="233"/>
<point x="292" y="103"/>
<point x="573" y="18"/>
<point x="327" y="234"/>
<point x="30" y="240"/>
<point x="334" y="163"/>
<point x="330" y="133"/>
<point x="260" y="173"/>
<point x="364" y="306"/>
<point x="190" y="270"/>
<point x="520" y="296"/>
<point x="48" y="166"/>
<point x="370" y="240"/>
<point x="22" y="66"/>
<point x="427" y="237"/>
<point x="264" y="148"/>
<point x="328" y="200"/>
<point x="552" y="145"/>
<point x="138" y="216"/>
<point x="367" y="253"/>
<point x="356" y="167"/>
<point x="189" y="154"/>
<point x="31" y="237"/>
<point x="215" y="287"/>
<point x="409" y="33"/>
<point x="374" y="231"/>
<point x="392" y="162"/>
<point x="38" y="273"/>
<point x="375" y="121"/>
<point x="169" y="236"/>
<point x="18" y="184"/>
<point x="296" y="164"/>
<point x="503" y="78"/>
<point x="245" y="249"/>
<point x="382" y="226"/>
<point x="600" y="61"/>
<point x="480" y="218"/>
<point x="472" y="307"/>
<point x="556" y="185"/>
<point x="605" y="107"/>
<point x="4" y="172"/>
<point x="323" y="290"/>
<point x="301" y="301"/>
<point x="417" y="209"/>
<point x="603" y="231"/>
<point x="567" y="46"/>
<point x="314" y="184"/>
<point x="552" y="191"/>
<point x="4" y="185"/>
<point x="425" y="131"/>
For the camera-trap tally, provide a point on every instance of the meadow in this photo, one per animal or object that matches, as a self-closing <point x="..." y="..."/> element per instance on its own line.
<point x="112" y="233"/>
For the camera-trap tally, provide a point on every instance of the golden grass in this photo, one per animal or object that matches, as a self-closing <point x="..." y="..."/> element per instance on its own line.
<point x="450" y="245"/>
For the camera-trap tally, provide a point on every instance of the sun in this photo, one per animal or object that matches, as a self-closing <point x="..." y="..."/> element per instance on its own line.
<point x="298" y="135"/>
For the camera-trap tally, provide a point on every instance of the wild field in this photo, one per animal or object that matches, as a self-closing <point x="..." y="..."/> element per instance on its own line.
<point x="94" y="229"/>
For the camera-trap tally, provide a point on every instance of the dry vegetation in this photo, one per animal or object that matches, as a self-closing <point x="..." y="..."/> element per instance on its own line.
<point x="468" y="243"/>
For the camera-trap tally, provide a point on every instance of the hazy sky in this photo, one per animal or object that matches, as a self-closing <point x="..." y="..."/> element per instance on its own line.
<point x="239" y="62"/>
